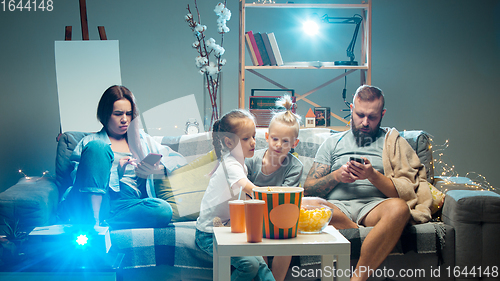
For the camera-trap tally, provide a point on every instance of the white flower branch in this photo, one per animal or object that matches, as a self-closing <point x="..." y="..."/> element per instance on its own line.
<point x="206" y="47"/>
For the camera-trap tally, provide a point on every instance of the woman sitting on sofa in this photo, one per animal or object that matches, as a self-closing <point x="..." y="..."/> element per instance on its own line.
<point x="109" y="183"/>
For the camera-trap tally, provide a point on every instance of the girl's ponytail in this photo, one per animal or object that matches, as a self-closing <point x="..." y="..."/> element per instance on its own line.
<point x="226" y="127"/>
<point x="287" y="117"/>
<point x="216" y="139"/>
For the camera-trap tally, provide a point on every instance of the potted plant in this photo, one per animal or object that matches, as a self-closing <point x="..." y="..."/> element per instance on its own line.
<point x="11" y="242"/>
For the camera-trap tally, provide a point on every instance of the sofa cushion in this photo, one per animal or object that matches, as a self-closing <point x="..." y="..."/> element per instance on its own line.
<point x="184" y="188"/>
<point x="475" y="215"/>
<point x="190" y="146"/>
<point x="33" y="202"/>
<point x="65" y="146"/>
<point x="437" y="199"/>
<point x="472" y="206"/>
<point x="420" y="142"/>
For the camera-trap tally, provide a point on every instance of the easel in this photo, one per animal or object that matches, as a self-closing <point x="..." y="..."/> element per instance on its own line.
<point x="85" y="25"/>
<point x="85" y="35"/>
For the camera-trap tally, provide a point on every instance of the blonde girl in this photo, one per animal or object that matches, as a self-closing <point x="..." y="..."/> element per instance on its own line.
<point x="234" y="140"/>
<point x="275" y="165"/>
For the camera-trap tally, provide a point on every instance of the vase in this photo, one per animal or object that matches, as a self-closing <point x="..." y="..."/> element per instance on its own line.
<point x="212" y="101"/>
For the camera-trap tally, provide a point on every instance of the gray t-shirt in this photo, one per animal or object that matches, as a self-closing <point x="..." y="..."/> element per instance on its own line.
<point x="288" y="174"/>
<point x="335" y="152"/>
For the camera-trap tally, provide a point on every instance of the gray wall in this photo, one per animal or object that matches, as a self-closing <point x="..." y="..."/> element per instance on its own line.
<point x="437" y="62"/>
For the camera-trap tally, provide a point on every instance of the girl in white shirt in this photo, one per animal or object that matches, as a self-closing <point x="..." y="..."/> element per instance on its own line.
<point x="234" y="132"/>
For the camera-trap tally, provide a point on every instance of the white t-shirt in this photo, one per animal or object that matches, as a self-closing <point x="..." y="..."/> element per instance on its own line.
<point x="219" y="192"/>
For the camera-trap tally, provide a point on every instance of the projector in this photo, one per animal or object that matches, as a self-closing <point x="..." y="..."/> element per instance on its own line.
<point x="70" y="247"/>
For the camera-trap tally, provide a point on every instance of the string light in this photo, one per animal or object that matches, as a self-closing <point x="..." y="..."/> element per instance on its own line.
<point x="24" y="175"/>
<point x="480" y="181"/>
<point x="29" y="178"/>
<point x="447" y="171"/>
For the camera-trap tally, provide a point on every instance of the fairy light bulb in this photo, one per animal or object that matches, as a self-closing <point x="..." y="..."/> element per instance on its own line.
<point x="477" y="181"/>
<point x="24" y="175"/>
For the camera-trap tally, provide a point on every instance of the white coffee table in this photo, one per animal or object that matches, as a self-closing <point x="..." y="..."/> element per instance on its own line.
<point x="330" y="245"/>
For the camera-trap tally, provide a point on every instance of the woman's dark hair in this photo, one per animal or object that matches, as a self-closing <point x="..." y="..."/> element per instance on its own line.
<point x="228" y="126"/>
<point x="108" y="99"/>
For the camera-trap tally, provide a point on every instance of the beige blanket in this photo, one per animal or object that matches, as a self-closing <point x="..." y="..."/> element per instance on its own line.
<point x="403" y="167"/>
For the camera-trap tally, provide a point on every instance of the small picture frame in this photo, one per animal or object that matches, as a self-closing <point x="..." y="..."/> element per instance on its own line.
<point x="322" y="116"/>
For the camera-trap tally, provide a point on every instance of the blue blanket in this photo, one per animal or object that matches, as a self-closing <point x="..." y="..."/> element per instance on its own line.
<point x="173" y="246"/>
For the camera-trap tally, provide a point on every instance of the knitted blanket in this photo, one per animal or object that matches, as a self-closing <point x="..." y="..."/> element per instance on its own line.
<point x="403" y="167"/>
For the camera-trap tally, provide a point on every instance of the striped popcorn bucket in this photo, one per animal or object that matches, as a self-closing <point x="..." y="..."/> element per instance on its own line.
<point x="281" y="212"/>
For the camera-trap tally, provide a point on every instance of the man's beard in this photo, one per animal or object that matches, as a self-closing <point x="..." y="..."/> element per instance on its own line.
<point x="365" y="139"/>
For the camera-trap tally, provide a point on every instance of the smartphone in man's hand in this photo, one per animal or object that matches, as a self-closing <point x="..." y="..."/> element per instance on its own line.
<point x="359" y="160"/>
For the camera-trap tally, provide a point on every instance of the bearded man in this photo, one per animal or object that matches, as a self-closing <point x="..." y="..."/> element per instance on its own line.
<point x="359" y="192"/>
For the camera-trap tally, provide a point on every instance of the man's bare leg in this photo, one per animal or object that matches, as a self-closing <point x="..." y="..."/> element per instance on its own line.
<point x="280" y="267"/>
<point x="339" y="219"/>
<point x="388" y="219"/>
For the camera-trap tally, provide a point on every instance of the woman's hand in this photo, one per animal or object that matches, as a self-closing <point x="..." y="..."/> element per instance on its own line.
<point x="122" y="165"/>
<point x="143" y="169"/>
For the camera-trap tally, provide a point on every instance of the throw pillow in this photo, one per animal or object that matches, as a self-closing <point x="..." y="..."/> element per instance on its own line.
<point x="437" y="199"/>
<point x="184" y="188"/>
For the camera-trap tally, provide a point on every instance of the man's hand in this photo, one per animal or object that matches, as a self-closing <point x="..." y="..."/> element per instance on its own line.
<point x="357" y="171"/>
<point x="345" y="175"/>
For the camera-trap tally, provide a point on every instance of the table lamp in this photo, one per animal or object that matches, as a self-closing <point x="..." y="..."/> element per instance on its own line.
<point x="311" y="27"/>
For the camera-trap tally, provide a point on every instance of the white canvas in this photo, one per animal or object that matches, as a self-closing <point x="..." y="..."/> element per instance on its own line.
<point x="84" y="70"/>
<point x="169" y="118"/>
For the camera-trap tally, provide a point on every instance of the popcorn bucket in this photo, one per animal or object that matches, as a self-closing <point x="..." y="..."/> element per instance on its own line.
<point x="282" y="209"/>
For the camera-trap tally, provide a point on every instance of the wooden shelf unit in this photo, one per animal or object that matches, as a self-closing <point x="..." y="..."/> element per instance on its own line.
<point x="364" y="67"/>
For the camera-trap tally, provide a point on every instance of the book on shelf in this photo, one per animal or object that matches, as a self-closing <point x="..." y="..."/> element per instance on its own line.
<point x="276" y="50"/>
<point x="269" y="50"/>
<point x="262" y="48"/>
<point x="250" y="49"/>
<point x="317" y="64"/>
<point x="255" y="48"/>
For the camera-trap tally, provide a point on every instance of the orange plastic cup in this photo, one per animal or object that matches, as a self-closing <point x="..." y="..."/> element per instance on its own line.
<point x="237" y="215"/>
<point x="254" y="217"/>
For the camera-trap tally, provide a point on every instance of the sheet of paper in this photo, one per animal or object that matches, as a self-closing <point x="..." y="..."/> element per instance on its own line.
<point x="169" y="118"/>
<point x="84" y="70"/>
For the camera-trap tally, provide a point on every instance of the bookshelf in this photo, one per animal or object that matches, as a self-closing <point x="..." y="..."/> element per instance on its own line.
<point x="364" y="67"/>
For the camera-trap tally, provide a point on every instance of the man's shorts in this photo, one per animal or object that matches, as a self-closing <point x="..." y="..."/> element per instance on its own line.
<point x="357" y="209"/>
